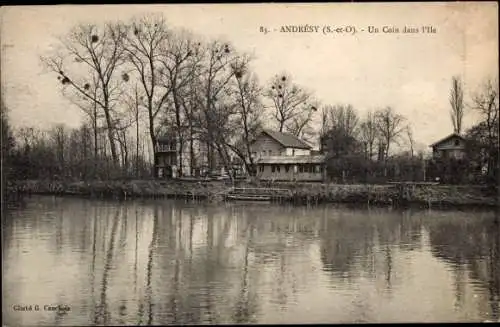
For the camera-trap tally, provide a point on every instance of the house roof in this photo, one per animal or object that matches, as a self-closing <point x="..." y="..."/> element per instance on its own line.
<point x="452" y="135"/>
<point x="287" y="140"/>
<point x="291" y="159"/>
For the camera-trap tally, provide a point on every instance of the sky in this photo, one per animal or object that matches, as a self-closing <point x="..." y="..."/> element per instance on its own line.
<point x="410" y="72"/>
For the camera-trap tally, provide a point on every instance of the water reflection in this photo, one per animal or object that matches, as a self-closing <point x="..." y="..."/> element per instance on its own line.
<point x="471" y="245"/>
<point x="164" y="262"/>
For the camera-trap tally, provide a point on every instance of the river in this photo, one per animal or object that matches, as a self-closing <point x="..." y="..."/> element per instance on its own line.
<point x="69" y="261"/>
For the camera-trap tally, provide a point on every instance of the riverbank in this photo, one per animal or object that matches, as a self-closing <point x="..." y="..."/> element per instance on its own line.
<point x="300" y="193"/>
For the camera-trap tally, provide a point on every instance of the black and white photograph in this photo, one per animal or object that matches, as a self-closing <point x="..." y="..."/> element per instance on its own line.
<point x="258" y="163"/>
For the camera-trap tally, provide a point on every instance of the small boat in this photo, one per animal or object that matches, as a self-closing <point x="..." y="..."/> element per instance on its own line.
<point x="248" y="197"/>
<point x="257" y="194"/>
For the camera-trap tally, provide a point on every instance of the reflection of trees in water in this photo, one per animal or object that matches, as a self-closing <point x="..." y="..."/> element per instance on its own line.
<point x="102" y="312"/>
<point x="181" y="270"/>
<point x="93" y="262"/>
<point x="7" y="231"/>
<point x="247" y="303"/>
<point x="471" y="243"/>
<point x="219" y="281"/>
<point x="357" y="242"/>
<point x="342" y="241"/>
<point x="149" y="267"/>
<point x="410" y="231"/>
<point x="280" y="247"/>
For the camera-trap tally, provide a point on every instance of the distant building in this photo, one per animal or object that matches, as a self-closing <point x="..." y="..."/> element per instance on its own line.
<point x="452" y="146"/>
<point x="285" y="157"/>
<point x="166" y="157"/>
<point x="305" y="168"/>
<point x="272" y="143"/>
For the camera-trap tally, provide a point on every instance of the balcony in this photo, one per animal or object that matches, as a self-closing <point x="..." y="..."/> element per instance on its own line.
<point x="166" y="148"/>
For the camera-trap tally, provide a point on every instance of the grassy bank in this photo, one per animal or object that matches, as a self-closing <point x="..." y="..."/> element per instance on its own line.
<point x="301" y="193"/>
<point x="429" y="195"/>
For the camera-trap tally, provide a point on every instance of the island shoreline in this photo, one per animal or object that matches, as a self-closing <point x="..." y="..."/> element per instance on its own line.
<point x="428" y="196"/>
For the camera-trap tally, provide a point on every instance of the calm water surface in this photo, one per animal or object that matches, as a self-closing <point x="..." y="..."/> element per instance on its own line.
<point x="166" y="262"/>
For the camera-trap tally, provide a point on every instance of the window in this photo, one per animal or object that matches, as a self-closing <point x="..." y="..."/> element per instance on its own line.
<point x="316" y="170"/>
<point x="293" y="152"/>
<point x="457" y="142"/>
<point x="269" y="152"/>
<point x="278" y="168"/>
<point x="301" y="169"/>
<point x="261" y="168"/>
<point x="287" y="168"/>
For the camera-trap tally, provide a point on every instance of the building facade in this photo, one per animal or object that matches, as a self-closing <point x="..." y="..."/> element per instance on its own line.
<point x="292" y="168"/>
<point x="170" y="162"/>
<point x="450" y="147"/>
<point x="165" y="157"/>
<point x="284" y="157"/>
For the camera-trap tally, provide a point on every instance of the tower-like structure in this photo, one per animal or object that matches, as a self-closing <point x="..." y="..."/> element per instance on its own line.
<point x="166" y="156"/>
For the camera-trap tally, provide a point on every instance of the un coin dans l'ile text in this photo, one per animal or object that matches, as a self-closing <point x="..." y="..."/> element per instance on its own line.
<point x="350" y="29"/>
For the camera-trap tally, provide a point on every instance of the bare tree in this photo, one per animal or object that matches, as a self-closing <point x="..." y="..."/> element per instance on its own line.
<point x="91" y="110"/>
<point x="181" y="58"/>
<point x="293" y="106"/>
<point x="59" y="137"/>
<point x="486" y="103"/>
<point x="342" y="117"/>
<point x="144" y="47"/>
<point x="249" y="112"/>
<point x="390" y="128"/>
<point x="100" y="50"/>
<point x="191" y="104"/>
<point x="215" y="88"/>
<point x="457" y="104"/>
<point x="134" y="104"/>
<point x="325" y="124"/>
<point x="340" y="129"/>
<point x="411" y="141"/>
<point x="368" y="133"/>
<point x="300" y="126"/>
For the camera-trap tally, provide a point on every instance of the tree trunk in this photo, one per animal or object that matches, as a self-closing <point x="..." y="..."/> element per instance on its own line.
<point x="109" y="122"/>
<point x="224" y="156"/>
<point x="136" y="134"/>
<point x="209" y="156"/>
<point x="191" y="149"/>
<point x="112" y="145"/>
<point x="181" y="158"/>
<point x="96" y="147"/>
<point x="153" y="139"/>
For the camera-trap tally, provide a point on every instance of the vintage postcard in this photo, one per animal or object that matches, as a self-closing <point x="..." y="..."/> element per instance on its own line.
<point x="250" y="163"/>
